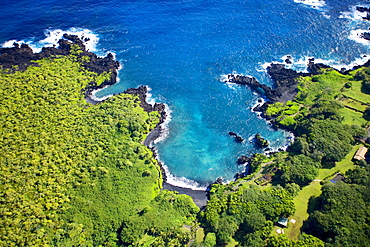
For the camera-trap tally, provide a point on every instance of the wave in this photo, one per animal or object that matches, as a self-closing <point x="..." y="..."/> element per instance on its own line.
<point x="89" y="38"/>
<point x="97" y="98"/>
<point x="164" y="126"/>
<point x="179" y="181"/>
<point x="353" y="14"/>
<point x="149" y="97"/>
<point x="289" y="140"/>
<point x="357" y="36"/>
<point x="300" y="64"/>
<point x="316" y="4"/>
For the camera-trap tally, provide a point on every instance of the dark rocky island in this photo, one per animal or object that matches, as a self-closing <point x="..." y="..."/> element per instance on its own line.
<point x="238" y="138"/>
<point x="260" y="141"/>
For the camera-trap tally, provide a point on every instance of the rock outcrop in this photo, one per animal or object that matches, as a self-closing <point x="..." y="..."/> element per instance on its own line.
<point x="21" y="57"/>
<point x="260" y="141"/>
<point x="237" y="137"/>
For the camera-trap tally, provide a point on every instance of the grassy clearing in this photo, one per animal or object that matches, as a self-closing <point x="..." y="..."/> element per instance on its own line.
<point x="354" y="104"/>
<point x="352" y="117"/>
<point x="199" y="235"/>
<point x="232" y="243"/>
<point x="341" y="166"/>
<point x="329" y="84"/>
<point x="301" y="203"/>
<point x="146" y="241"/>
<point x="356" y="92"/>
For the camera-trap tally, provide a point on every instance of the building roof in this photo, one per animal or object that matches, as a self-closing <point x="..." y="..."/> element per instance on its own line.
<point x="338" y="177"/>
<point x="283" y="222"/>
<point x="360" y="154"/>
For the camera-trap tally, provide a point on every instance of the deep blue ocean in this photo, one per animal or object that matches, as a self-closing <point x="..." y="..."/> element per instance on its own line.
<point x="182" y="50"/>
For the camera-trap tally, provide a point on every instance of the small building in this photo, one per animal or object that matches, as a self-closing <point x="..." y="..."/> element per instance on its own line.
<point x="338" y="177"/>
<point x="360" y="154"/>
<point x="283" y="222"/>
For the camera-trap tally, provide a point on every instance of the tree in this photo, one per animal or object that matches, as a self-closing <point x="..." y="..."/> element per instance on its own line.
<point x="209" y="240"/>
<point x="300" y="169"/>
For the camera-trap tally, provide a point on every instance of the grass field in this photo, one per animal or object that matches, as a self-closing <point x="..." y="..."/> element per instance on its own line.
<point x="341" y="166"/>
<point x="301" y="205"/>
<point x="356" y="92"/>
<point x="352" y="117"/>
<point x="355" y="104"/>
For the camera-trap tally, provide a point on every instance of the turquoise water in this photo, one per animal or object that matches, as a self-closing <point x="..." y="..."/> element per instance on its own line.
<point x="181" y="49"/>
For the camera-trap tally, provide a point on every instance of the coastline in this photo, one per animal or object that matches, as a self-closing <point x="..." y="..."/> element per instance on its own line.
<point x="285" y="90"/>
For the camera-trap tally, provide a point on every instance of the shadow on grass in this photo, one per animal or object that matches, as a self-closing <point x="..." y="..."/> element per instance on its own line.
<point x="365" y="89"/>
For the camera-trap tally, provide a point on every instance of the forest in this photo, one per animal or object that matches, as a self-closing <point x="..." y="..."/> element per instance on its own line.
<point x="77" y="174"/>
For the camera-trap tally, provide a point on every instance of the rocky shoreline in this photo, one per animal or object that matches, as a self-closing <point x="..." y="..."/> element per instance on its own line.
<point x="285" y="81"/>
<point x="285" y="89"/>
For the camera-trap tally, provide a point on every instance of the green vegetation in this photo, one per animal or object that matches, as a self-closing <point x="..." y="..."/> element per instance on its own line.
<point x="331" y="223"/>
<point x="73" y="174"/>
<point x="285" y="115"/>
<point x="332" y="109"/>
<point x="246" y="214"/>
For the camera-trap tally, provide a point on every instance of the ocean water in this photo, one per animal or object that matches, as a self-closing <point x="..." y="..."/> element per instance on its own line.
<point x="182" y="50"/>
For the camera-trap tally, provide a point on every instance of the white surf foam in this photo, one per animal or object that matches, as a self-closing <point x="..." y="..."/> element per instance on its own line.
<point x="300" y="65"/>
<point x="316" y="4"/>
<point x="179" y="181"/>
<point x="289" y="136"/>
<point x="259" y="102"/>
<point x="164" y="126"/>
<point x="96" y="98"/>
<point x="149" y="97"/>
<point x="183" y="182"/>
<point x="89" y="38"/>
<point x="353" y="14"/>
<point x="226" y="80"/>
<point x="356" y="35"/>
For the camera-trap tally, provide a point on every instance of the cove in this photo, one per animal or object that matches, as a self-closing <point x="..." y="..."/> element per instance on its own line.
<point x="182" y="49"/>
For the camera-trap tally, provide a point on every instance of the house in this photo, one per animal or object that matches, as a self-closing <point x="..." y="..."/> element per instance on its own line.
<point x="283" y="222"/>
<point x="360" y="154"/>
<point x="338" y="177"/>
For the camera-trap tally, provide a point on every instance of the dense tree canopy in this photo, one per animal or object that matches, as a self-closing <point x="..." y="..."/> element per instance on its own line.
<point x="246" y="213"/>
<point x="72" y="173"/>
<point x="342" y="215"/>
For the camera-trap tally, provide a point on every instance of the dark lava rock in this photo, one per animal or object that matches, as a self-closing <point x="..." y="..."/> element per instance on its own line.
<point x="362" y="9"/>
<point x="314" y="68"/>
<point x="260" y="141"/>
<point x="237" y="137"/>
<point x="260" y="108"/>
<point x="23" y="56"/>
<point x="218" y="181"/>
<point x="244" y="159"/>
<point x="365" y="36"/>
